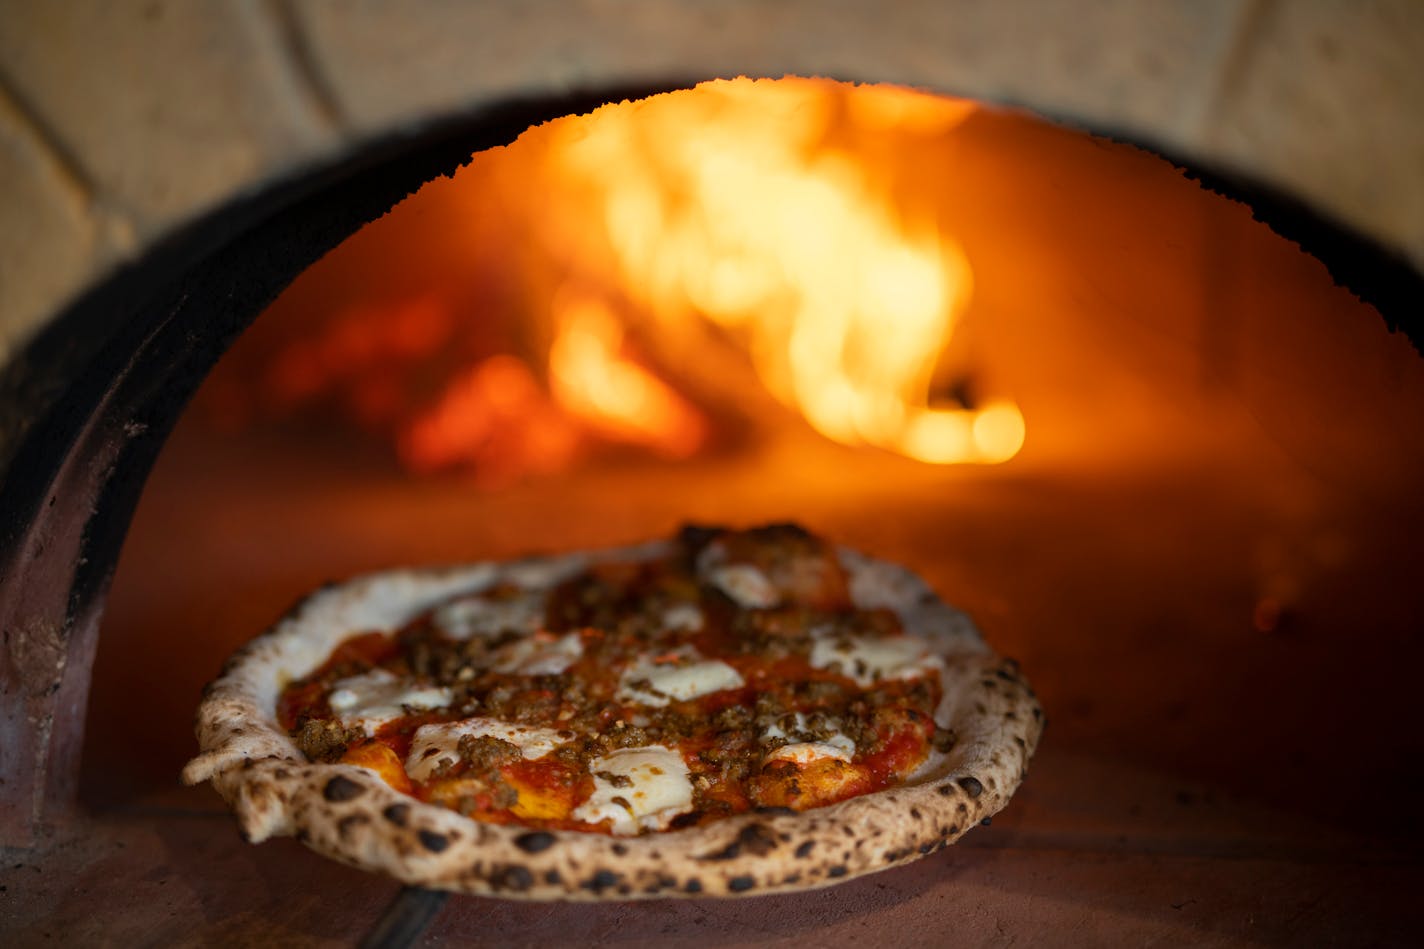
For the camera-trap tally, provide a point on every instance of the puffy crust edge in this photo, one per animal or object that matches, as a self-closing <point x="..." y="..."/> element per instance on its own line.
<point x="350" y="814"/>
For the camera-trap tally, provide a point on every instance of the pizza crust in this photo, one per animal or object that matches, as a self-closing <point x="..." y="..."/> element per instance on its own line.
<point x="350" y="814"/>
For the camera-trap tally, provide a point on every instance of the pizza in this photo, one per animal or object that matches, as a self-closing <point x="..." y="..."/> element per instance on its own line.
<point x="726" y="712"/>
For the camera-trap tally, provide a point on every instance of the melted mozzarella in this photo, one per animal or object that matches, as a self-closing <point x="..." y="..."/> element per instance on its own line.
<point x="683" y="616"/>
<point x="834" y="745"/>
<point x="804" y="752"/>
<point x="745" y="584"/>
<point x="483" y="615"/>
<point x="870" y="659"/>
<point x="539" y="654"/>
<point x="373" y="698"/>
<point x="434" y="745"/>
<point x="660" y="683"/>
<point x="660" y="790"/>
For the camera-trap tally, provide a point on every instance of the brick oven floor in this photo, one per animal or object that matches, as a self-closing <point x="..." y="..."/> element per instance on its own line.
<point x="1087" y="854"/>
<point x="1202" y="781"/>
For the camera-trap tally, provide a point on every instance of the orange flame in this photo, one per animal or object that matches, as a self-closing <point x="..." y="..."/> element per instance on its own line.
<point x="732" y="204"/>
<point x="495" y="420"/>
<point x="592" y="379"/>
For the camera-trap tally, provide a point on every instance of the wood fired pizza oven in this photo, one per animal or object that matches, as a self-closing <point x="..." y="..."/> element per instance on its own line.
<point x="1227" y="666"/>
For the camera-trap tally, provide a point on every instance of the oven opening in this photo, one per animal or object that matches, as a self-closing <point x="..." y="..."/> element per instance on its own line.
<point x="1150" y="445"/>
<point x="1154" y="450"/>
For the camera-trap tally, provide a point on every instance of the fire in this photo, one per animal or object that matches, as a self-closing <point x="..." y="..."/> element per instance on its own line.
<point x="636" y="270"/>
<point x="733" y="204"/>
<point x="593" y="380"/>
<point x="493" y="419"/>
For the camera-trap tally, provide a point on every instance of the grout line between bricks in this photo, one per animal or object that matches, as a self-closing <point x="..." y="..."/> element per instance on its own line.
<point x="70" y="169"/>
<point x="1234" y="46"/>
<point x="302" y="63"/>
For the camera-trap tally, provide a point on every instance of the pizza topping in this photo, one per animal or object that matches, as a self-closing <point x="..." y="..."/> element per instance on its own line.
<point x="322" y="739"/>
<point x="800" y="738"/>
<point x="439" y="745"/>
<point x="744" y="583"/>
<point x="542" y="653"/>
<point x="504" y="609"/>
<point x="730" y="673"/>
<point x="679" y="675"/>
<point x="804" y="752"/>
<point x="869" y="659"/>
<point x="778" y="564"/>
<point x="381" y="759"/>
<point x="637" y="789"/>
<point x="374" y="698"/>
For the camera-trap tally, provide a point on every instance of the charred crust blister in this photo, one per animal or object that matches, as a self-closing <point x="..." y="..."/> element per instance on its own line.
<point x="512" y="877"/>
<point x="601" y="880"/>
<point x="755" y="839"/>
<point x="341" y="788"/>
<point x="972" y="786"/>
<point x="397" y="814"/>
<point x="432" y="841"/>
<point x="535" y="841"/>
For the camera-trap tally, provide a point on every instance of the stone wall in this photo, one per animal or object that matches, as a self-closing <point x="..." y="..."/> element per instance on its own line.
<point x="121" y="121"/>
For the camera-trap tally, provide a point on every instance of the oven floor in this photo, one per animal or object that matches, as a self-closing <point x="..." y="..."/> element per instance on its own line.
<point x="1228" y="663"/>
<point x="1087" y="854"/>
